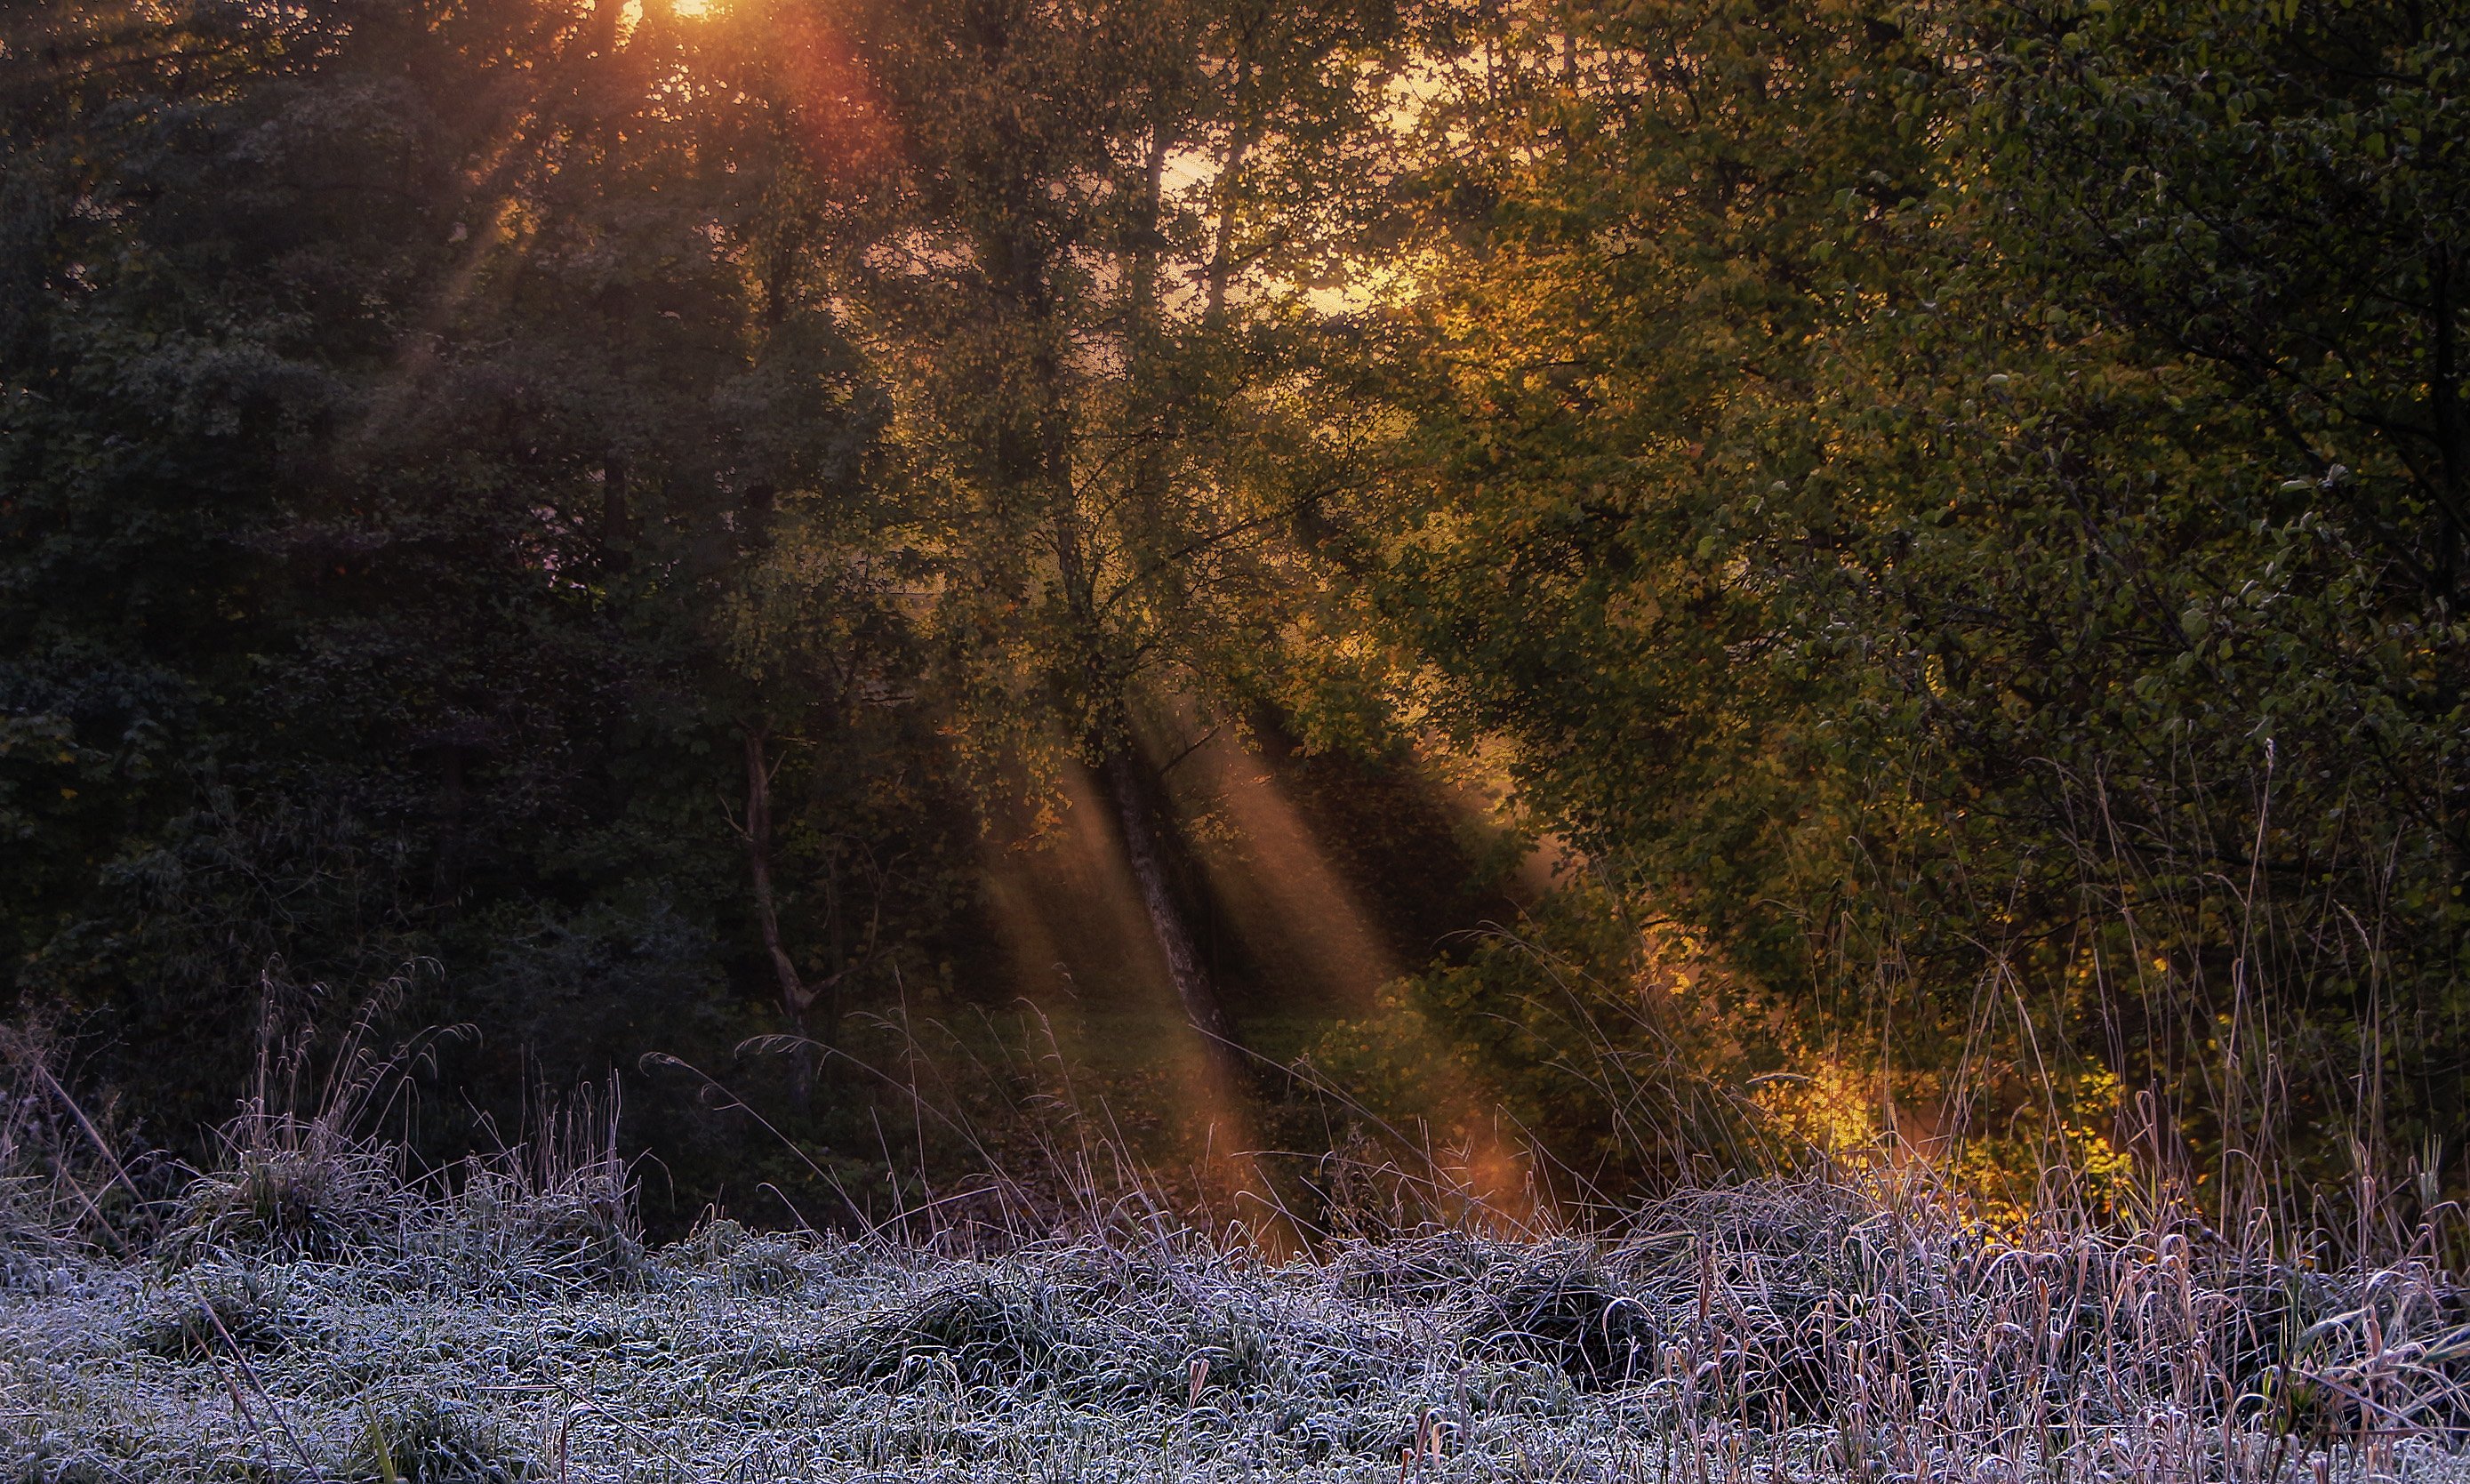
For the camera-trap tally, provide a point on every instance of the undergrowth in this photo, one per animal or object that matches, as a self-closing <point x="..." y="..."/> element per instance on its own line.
<point x="316" y="1311"/>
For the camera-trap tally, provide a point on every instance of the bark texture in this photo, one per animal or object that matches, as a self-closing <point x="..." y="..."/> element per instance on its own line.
<point x="1144" y="852"/>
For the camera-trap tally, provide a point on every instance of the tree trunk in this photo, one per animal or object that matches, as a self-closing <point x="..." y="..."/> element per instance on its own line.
<point x="1040" y="467"/>
<point x="446" y="878"/>
<point x="600" y="32"/>
<point x="614" y="524"/>
<point x="1229" y="193"/>
<point x="797" y="996"/>
<point x="1138" y="813"/>
<point x="2452" y="445"/>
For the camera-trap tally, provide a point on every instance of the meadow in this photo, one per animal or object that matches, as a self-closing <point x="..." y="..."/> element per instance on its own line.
<point x="309" y="1312"/>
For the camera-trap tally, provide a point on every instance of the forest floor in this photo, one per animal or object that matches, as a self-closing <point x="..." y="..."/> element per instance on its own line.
<point x="1766" y="1332"/>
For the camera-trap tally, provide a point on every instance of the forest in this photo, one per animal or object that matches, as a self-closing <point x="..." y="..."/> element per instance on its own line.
<point x="1610" y="741"/>
<point x="1343" y="610"/>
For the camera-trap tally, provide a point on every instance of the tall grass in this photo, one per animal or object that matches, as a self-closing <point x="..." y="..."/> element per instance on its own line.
<point x="1075" y="1306"/>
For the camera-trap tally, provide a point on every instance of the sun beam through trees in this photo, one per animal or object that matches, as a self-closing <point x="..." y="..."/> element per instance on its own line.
<point x="1408" y="608"/>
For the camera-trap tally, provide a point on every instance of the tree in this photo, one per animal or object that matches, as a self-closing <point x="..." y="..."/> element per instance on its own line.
<point x="1941" y="507"/>
<point x="404" y="421"/>
<point x="1089" y="287"/>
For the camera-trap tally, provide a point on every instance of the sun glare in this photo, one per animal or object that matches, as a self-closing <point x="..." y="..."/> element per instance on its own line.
<point x="631" y="14"/>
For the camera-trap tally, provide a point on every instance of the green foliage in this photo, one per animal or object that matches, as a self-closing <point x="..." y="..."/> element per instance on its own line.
<point x="1592" y="1032"/>
<point x="1954" y="506"/>
<point x="407" y="438"/>
<point x="1117" y="415"/>
<point x="1957" y="514"/>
